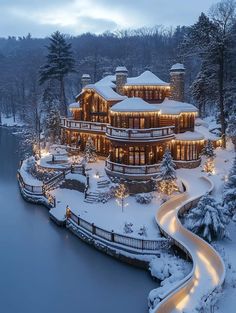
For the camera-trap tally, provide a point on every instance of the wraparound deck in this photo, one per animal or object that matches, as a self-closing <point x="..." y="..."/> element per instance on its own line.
<point x="83" y="125"/>
<point x="149" y="134"/>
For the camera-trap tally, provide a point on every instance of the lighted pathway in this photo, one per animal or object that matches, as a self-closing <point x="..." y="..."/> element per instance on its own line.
<point x="208" y="268"/>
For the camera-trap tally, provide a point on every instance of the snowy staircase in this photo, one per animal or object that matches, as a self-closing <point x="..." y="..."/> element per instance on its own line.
<point x="91" y="197"/>
<point x="103" y="183"/>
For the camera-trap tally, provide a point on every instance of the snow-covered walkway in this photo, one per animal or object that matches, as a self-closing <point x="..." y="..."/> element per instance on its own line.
<point x="208" y="268"/>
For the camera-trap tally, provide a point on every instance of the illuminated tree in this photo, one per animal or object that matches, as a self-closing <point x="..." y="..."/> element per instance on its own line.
<point x="167" y="184"/>
<point x="121" y="194"/>
<point x="90" y="151"/>
<point x="208" y="152"/>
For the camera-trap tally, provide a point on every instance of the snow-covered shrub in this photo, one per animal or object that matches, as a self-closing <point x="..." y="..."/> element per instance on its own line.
<point x="208" y="219"/>
<point x="143" y="231"/>
<point x="169" y="270"/>
<point x="144" y="198"/>
<point x="31" y="165"/>
<point x="104" y="196"/>
<point x="209" y="301"/>
<point x="128" y="228"/>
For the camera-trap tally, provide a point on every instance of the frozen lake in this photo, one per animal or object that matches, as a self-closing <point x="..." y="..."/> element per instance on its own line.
<point x="45" y="269"/>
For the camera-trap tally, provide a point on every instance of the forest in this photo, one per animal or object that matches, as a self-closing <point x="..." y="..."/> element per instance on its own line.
<point x="207" y="49"/>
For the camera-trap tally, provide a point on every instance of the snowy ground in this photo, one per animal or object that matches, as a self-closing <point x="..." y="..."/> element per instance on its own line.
<point x="109" y="216"/>
<point x="227" y="302"/>
<point x="9" y="121"/>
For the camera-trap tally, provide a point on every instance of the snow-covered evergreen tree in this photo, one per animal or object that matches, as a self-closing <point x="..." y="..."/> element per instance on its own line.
<point x="232" y="124"/>
<point x="167" y="176"/>
<point x="208" y="152"/>
<point x="208" y="149"/>
<point x="60" y="63"/>
<point x="90" y="151"/>
<point x="208" y="219"/>
<point x="229" y="194"/>
<point x="51" y="123"/>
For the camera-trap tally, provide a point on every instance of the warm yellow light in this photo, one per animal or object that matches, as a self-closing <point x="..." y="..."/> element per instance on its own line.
<point x="210" y="268"/>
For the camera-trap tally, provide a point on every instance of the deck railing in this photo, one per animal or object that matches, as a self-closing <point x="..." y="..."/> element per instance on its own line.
<point x="111" y="236"/>
<point x="140" y="134"/>
<point x="83" y="125"/>
<point x="132" y="169"/>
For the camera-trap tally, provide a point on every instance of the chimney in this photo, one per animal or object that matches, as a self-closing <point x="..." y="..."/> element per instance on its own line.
<point x="121" y="79"/>
<point x="177" y="73"/>
<point x="85" y="80"/>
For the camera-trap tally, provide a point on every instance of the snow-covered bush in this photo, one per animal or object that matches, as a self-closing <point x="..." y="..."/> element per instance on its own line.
<point x="144" y="198"/>
<point x="143" y="231"/>
<point x="208" y="219"/>
<point x="104" y="196"/>
<point x="31" y="165"/>
<point x="229" y="194"/>
<point x="128" y="228"/>
<point x="169" y="270"/>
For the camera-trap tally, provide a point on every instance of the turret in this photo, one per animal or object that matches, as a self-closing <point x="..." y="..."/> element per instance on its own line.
<point x="177" y="73"/>
<point x="121" y="79"/>
<point x="85" y="80"/>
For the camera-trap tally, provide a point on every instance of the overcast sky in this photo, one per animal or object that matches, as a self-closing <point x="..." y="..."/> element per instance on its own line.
<point x="42" y="17"/>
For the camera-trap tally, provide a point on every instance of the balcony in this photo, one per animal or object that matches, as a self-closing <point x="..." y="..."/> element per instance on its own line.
<point x="150" y="134"/>
<point x="83" y="125"/>
<point x="141" y="172"/>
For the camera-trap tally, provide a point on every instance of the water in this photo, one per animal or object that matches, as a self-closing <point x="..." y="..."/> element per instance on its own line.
<point x="44" y="268"/>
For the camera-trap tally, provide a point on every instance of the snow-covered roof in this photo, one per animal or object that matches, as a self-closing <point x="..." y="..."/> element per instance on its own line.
<point x="107" y="81"/>
<point x="172" y="107"/>
<point x="189" y="136"/>
<point x="147" y="78"/>
<point x="207" y="134"/>
<point x="134" y="105"/>
<point x="86" y="76"/>
<point x="178" y="67"/>
<point x="106" y="92"/>
<point x="74" y="105"/>
<point x="121" y="69"/>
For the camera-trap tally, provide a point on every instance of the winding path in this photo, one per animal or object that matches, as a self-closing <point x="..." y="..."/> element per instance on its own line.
<point x="208" y="268"/>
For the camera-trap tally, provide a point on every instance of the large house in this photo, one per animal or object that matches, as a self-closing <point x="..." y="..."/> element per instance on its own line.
<point x="132" y="120"/>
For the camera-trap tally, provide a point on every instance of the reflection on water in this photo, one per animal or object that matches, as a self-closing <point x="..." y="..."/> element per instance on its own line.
<point x="45" y="269"/>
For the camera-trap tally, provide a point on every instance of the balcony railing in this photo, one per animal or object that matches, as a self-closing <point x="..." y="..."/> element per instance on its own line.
<point x="136" y="170"/>
<point x="83" y="125"/>
<point x="140" y="134"/>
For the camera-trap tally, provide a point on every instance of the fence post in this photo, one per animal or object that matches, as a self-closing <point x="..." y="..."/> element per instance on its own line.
<point x="93" y="229"/>
<point x="112" y="235"/>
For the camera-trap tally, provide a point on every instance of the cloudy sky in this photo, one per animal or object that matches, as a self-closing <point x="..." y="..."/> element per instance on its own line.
<point x="42" y="17"/>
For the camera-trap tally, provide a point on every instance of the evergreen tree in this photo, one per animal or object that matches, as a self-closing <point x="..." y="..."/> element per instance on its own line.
<point x="208" y="219"/>
<point x="232" y="124"/>
<point x="90" y="151"/>
<point x="208" y="149"/>
<point x="51" y="123"/>
<point x="167" y="175"/>
<point x="229" y="194"/>
<point x="60" y="62"/>
<point x="210" y="39"/>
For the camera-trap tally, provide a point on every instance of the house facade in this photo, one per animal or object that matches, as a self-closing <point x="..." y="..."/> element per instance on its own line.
<point x="132" y="120"/>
